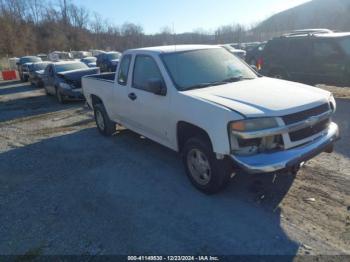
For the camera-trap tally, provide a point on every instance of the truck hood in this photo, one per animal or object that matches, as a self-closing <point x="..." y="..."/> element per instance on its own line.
<point x="263" y="97"/>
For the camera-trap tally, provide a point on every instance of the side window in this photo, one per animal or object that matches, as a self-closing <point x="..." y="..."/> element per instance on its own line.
<point x="124" y="70"/>
<point x="298" y="48"/>
<point x="145" y="69"/>
<point x="276" y="47"/>
<point x="325" y="49"/>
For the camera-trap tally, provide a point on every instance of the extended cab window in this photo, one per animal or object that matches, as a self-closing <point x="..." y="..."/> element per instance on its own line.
<point x="124" y="70"/>
<point x="145" y="69"/>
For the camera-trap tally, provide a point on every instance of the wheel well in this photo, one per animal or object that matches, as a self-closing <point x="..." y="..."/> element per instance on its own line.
<point x="95" y="100"/>
<point x="186" y="131"/>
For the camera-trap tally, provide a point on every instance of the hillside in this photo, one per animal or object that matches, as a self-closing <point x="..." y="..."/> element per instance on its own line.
<point x="332" y="14"/>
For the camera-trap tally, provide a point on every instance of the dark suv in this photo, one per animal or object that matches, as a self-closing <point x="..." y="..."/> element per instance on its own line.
<point x="107" y="62"/>
<point x="311" y="58"/>
<point x="22" y="66"/>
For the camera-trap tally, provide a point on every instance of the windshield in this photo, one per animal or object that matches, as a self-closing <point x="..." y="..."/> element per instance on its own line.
<point x="113" y="56"/>
<point x="30" y="59"/>
<point x="69" y="67"/>
<point x="345" y="44"/>
<point x="40" y="66"/>
<point x="200" y="68"/>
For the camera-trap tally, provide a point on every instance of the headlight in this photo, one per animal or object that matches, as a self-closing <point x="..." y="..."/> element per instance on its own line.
<point x="65" y="86"/>
<point x="242" y="146"/>
<point x="332" y="103"/>
<point x="254" y="124"/>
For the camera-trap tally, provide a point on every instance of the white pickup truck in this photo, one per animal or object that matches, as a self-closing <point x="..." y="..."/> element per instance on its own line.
<point x="215" y="110"/>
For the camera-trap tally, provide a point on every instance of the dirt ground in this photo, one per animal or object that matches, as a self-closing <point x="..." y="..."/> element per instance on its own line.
<point x="64" y="189"/>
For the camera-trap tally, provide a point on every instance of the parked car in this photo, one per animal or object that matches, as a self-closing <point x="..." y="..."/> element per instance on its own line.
<point x="43" y="57"/>
<point x="89" y="61"/>
<point x="13" y="63"/>
<point x="57" y="56"/>
<point x="209" y="105"/>
<point x="249" y="46"/>
<point x="63" y="79"/>
<point x="96" y="53"/>
<point x="237" y="52"/>
<point x="309" y="58"/>
<point x="22" y="66"/>
<point x="80" y="54"/>
<point x="254" y="56"/>
<point x="36" y="72"/>
<point x="108" y="61"/>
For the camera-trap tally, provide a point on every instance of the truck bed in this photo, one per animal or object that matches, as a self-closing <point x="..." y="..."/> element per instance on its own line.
<point x="100" y="85"/>
<point x="105" y="76"/>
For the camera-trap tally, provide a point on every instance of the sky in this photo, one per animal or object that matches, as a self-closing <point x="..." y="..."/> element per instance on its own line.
<point x="186" y="15"/>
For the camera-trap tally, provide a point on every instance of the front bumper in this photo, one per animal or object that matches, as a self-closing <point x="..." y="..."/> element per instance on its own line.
<point x="72" y="93"/>
<point x="272" y="162"/>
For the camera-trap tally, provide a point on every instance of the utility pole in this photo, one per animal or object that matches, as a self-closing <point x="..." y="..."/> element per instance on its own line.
<point x="65" y="12"/>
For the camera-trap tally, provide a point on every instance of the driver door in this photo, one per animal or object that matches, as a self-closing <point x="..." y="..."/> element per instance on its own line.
<point x="149" y="114"/>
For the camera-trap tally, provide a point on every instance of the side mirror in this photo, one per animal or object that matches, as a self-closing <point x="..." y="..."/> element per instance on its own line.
<point x="157" y="87"/>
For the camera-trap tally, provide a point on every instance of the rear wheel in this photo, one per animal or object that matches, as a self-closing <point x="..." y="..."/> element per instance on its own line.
<point x="104" y="125"/>
<point x="205" y="171"/>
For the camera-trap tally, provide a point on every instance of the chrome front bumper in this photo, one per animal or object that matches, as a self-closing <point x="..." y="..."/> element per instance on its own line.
<point x="272" y="162"/>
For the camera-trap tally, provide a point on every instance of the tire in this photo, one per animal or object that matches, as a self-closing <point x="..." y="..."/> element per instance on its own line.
<point x="104" y="125"/>
<point x="59" y="96"/>
<point x="217" y="172"/>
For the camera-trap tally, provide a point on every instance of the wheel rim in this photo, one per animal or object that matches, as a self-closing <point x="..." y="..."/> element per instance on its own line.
<point x="199" y="166"/>
<point x="99" y="120"/>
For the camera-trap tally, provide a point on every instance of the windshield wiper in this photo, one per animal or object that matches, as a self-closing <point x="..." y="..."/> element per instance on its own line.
<point x="225" y="81"/>
<point x="202" y="85"/>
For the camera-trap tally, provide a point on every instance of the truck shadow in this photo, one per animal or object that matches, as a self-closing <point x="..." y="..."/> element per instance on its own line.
<point x="82" y="193"/>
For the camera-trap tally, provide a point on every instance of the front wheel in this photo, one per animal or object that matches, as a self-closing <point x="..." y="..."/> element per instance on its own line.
<point x="205" y="171"/>
<point x="59" y="96"/>
<point x="104" y="125"/>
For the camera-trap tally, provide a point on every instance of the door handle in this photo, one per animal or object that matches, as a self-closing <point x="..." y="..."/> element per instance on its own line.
<point x="132" y="96"/>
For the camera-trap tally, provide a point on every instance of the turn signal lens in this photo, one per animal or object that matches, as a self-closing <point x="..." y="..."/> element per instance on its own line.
<point x="254" y="124"/>
<point x="239" y="126"/>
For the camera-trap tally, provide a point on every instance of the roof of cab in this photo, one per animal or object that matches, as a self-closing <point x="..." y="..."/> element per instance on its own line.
<point x="173" y="48"/>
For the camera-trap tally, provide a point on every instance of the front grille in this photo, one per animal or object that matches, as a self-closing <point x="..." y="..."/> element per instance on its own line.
<point x="309" y="131"/>
<point x="301" y="116"/>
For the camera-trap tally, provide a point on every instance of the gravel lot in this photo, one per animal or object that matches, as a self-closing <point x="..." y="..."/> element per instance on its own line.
<point x="65" y="189"/>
